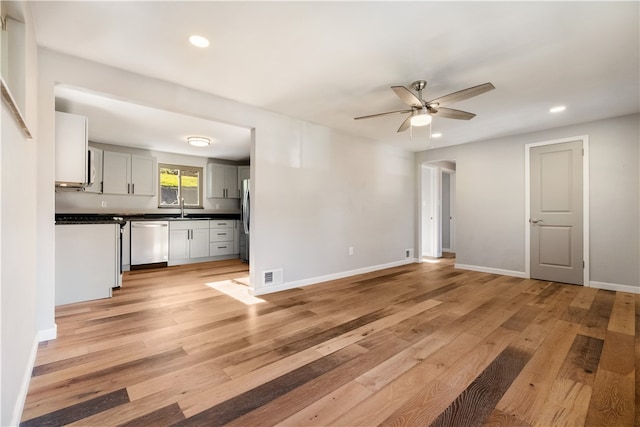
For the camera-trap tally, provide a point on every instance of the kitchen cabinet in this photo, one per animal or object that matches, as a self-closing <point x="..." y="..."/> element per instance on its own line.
<point x="124" y="173"/>
<point x="222" y="181"/>
<point x="87" y="261"/>
<point x="188" y="240"/>
<point x="95" y="171"/>
<point x="71" y="150"/>
<point x="221" y="237"/>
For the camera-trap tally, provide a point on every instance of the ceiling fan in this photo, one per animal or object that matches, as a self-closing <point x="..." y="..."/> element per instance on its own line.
<point x="422" y="111"/>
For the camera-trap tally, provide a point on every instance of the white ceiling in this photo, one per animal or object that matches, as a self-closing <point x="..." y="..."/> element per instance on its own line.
<point x="327" y="62"/>
<point x="121" y="122"/>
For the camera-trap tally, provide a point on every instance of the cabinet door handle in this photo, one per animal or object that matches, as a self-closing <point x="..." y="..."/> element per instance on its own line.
<point x="128" y="188"/>
<point x="133" y="188"/>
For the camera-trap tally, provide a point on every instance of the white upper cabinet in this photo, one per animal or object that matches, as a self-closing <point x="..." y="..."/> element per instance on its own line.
<point x="116" y="173"/>
<point x="143" y="174"/>
<point x="222" y="181"/>
<point x="71" y="150"/>
<point x="124" y="173"/>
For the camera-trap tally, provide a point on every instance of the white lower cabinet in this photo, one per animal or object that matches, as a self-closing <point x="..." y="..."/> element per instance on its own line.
<point x="193" y="241"/>
<point x="86" y="261"/>
<point x="188" y="240"/>
<point x="221" y="237"/>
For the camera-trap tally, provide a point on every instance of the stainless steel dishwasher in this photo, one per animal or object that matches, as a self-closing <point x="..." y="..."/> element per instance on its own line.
<point x="149" y="242"/>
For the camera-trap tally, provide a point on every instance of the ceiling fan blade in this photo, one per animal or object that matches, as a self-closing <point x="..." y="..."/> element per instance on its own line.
<point x="382" y="114"/>
<point x="407" y="96"/>
<point x="450" y="113"/>
<point x="405" y="124"/>
<point x="463" y="94"/>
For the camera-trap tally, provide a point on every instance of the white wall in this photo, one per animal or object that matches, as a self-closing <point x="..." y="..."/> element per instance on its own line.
<point x="490" y="199"/>
<point x="19" y="243"/>
<point x="319" y="192"/>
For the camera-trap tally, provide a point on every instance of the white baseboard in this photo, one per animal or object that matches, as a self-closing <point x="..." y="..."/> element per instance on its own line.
<point x="319" y="279"/>
<point x="520" y="274"/>
<point x="24" y="386"/>
<point x="48" y="334"/>
<point x="614" y="287"/>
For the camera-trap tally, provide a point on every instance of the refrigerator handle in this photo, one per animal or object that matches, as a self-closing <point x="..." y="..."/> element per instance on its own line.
<point x="245" y="211"/>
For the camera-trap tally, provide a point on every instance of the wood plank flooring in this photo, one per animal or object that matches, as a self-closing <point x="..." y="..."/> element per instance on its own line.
<point x="422" y="344"/>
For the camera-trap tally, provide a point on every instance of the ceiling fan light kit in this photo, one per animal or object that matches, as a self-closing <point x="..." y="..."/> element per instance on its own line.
<point x="423" y="111"/>
<point x="421" y="118"/>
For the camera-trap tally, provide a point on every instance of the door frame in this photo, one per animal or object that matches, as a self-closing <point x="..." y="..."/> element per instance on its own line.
<point x="433" y="196"/>
<point x="585" y="202"/>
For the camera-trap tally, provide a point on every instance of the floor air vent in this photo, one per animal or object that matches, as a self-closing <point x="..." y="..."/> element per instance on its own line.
<point x="272" y="277"/>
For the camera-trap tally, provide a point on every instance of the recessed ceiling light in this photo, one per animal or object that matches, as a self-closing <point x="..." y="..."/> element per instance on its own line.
<point x="436" y="135"/>
<point x="557" y="109"/>
<point x="198" y="41"/>
<point x="198" y="141"/>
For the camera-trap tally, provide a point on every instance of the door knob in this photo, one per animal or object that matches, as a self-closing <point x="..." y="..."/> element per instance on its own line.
<point x="534" y="221"/>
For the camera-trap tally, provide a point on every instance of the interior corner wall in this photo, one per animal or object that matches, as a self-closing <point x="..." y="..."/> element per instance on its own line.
<point x="490" y="201"/>
<point x="316" y="191"/>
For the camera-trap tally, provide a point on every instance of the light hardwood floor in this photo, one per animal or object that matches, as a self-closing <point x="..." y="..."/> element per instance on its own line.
<point x="422" y="344"/>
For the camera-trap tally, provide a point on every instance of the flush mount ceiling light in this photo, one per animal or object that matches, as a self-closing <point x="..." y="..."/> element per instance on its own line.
<point x="198" y="141"/>
<point x="199" y="41"/>
<point x="557" y="109"/>
<point x="436" y="135"/>
<point x="421" y="118"/>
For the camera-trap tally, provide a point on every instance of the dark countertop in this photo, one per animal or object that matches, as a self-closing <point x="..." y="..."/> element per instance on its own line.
<point x="116" y="218"/>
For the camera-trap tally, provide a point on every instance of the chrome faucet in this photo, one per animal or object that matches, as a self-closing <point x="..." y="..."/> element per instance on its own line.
<point x="182" y="208"/>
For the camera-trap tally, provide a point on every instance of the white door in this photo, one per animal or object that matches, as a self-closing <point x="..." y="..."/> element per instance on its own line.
<point x="448" y="184"/>
<point x="428" y="212"/>
<point x="556" y="214"/>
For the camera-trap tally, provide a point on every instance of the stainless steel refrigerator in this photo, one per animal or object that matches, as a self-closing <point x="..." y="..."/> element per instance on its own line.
<point x="245" y="204"/>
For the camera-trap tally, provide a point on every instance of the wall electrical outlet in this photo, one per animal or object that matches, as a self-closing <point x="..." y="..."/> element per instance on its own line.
<point x="350" y="250"/>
